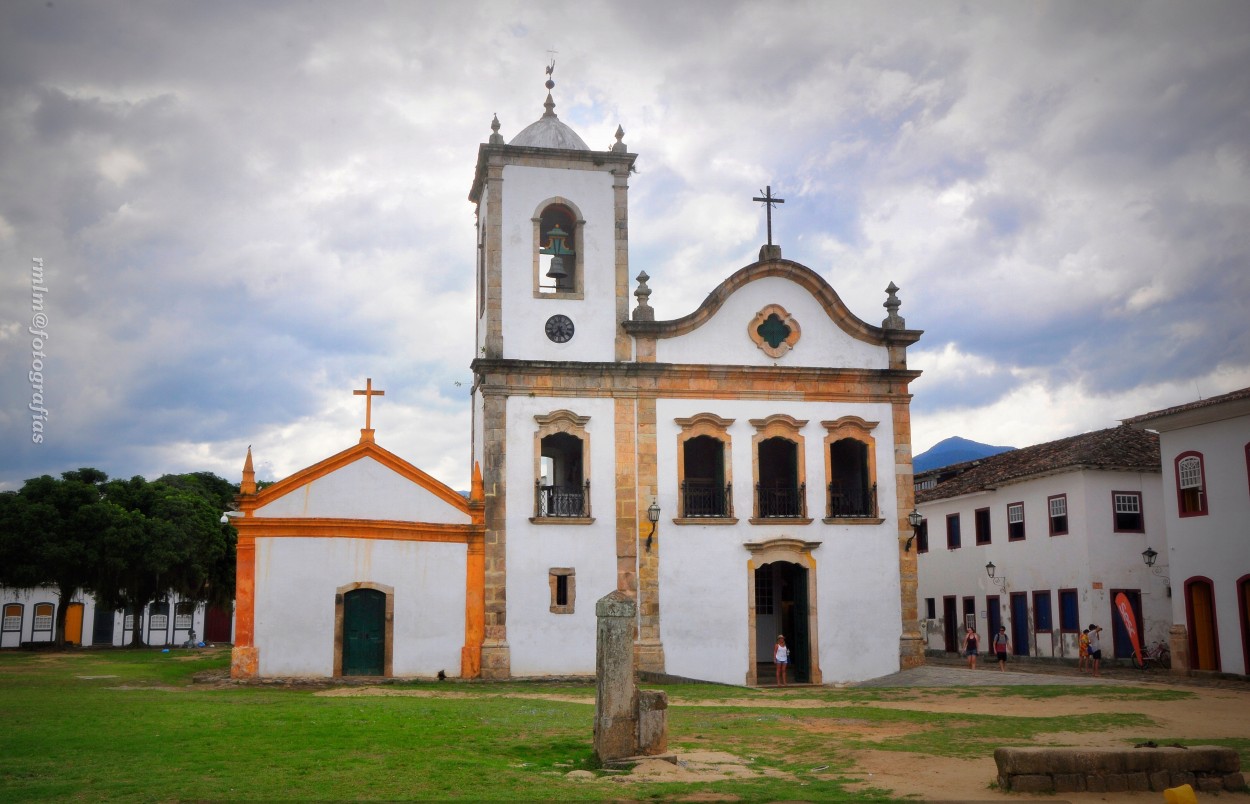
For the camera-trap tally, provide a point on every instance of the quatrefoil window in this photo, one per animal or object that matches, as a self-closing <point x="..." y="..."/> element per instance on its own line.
<point x="774" y="331"/>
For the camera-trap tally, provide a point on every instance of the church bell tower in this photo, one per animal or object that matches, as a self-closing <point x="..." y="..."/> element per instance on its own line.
<point x="552" y="291"/>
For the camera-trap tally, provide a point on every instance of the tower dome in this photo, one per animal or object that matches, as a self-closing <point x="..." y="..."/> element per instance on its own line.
<point x="547" y="131"/>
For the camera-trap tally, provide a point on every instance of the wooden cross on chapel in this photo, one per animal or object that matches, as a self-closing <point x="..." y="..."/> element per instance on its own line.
<point x="368" y="393"/>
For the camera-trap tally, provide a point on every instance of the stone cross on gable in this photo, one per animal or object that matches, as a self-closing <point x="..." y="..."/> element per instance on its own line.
<point x="768" y="200"/>
<point x="368" y="393"/>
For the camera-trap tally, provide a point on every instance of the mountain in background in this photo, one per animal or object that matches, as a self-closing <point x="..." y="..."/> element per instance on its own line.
<point x="953" y="450"/>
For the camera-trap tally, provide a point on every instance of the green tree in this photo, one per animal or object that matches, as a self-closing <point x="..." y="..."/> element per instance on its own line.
<point x="169" y="540"/>
<point x="48" y="535"/>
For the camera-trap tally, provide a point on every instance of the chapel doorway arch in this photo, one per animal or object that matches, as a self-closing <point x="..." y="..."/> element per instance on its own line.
<point x="782" y="601"/>
<point x="363" y="639"/>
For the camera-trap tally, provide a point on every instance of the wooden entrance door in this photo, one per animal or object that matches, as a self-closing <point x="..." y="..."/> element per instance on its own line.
<point x="950" y="621"/>
<point x="102" y="626"/>
<point x="364" y="633"/>
<point x="73" y="624"/>
<point x="1020" y="623"/>
<point x="217" y="624"/>
<point x="993" y="620"/>
<point x="1204" y="645"/>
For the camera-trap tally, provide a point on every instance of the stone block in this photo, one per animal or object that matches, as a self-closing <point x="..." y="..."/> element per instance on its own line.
<point x="1160" y="780"/>
<point x="1234" y="782"/>
<point x="1210" y="784"/>
<point x="1138" y="782"/>
<point x="1182" y="777"/>
<point x="1096" y="784"/>
<point x="652" y="722"/>
<point x="1117" y="783"/>
<point x="1032" y="783"/>
<point x="1069" y="783"/>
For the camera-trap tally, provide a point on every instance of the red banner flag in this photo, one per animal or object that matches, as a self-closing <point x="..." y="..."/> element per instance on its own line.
<point x="1130" y="624"/>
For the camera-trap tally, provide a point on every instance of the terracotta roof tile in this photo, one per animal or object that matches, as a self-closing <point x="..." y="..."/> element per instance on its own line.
<point x="1117" y="448"/>
<point x="1243" y="393"/>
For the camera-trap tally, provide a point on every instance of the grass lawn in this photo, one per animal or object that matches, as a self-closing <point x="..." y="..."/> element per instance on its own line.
<point x="131" y="725"/>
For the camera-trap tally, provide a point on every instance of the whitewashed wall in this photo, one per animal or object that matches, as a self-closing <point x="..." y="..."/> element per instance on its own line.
<point x="1215" y="546"/>
<point x="1091" y="558"/>
<point x="594" y="316"/>
<point x="29" y="598"/>
<point x="295" y="607"/>
<point x="703" y="568"/>
<point x="543" y="643"/>
<point x="725" y="335"/>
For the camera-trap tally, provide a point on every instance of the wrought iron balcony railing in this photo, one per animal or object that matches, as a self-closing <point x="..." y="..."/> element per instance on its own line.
<point x="701" y="498"/>
<point x="842" y="504"/>
<point x="781" y="501"/>
<point x="561" y="501"/>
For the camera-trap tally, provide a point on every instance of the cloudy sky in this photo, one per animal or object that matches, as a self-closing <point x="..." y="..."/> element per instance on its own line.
<point x="245" y="209"/>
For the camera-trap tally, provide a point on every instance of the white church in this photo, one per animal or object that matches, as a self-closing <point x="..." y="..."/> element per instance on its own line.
<point x="743" y="471"/>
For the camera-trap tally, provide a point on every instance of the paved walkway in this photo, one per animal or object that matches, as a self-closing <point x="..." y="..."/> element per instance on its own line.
<point x="953" y="672"/>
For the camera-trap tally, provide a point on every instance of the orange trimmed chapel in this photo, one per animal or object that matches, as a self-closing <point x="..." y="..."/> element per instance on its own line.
<point x="743" y="471"/>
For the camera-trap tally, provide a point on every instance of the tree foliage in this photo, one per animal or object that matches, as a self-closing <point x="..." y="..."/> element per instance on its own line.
<point x="130" y="542"/>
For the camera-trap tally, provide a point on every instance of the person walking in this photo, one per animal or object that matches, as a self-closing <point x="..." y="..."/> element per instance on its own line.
<point x="781" y="658"/>
<point x="1001" y="645"/>
<point x="1082" y="645"/>
<point x="970" y="647"/>
<point x="1095" y="648"/>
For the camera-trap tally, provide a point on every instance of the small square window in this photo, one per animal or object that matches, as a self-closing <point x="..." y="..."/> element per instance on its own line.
<point x="563" y="586"/>
<point x="1058" y="506"/>
<point x="1127" y="507"/>
<point x="1015" y="522"/>
<point x="930" y="608"/>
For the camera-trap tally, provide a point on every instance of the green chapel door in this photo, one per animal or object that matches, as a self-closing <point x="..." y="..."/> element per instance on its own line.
<point x="364" y="633"/>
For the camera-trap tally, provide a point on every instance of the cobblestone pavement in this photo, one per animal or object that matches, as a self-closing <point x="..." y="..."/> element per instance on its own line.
<point x="954" y="672"/>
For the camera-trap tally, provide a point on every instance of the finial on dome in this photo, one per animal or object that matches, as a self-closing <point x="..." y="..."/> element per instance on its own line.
<point x="495" y="138"/>
<point x="550" y="105"/>
<point x="619" y="147"/>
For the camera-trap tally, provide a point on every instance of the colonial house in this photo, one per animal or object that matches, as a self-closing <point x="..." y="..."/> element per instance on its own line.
<point x="1205" y="451"/>
<point x="739" y="471"/>
<point x="1043" y="540"/>
<point x="29" y="617"/>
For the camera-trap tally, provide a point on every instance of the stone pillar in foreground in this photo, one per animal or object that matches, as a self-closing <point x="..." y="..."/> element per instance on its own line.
<point x="616" y="697"/>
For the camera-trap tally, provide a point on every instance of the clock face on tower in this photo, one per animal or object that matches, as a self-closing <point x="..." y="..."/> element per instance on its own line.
<point x="560" y="328"/>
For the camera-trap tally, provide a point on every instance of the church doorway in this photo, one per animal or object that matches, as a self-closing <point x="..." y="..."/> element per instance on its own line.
<point x="783" y="604"/>
<point x="364" y="633"/>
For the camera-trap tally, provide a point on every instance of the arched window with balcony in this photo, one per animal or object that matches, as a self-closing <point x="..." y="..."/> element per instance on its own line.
<point x="704" y="469"/>
<point x="780" y="472"/>
<point x="562" y="474"/>
<point x="851" y="469"/>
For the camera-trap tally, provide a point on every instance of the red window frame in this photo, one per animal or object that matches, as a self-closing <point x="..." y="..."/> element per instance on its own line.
<point x="1050" y="517"/>
<point x="1202" y="508"/>
<point x="981" y="525"/>
<point x="1115" y="514"/>
<point x="1010" y="536"/>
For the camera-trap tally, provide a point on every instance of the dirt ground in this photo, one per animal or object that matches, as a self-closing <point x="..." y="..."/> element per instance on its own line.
<point x="1208" y="714"/>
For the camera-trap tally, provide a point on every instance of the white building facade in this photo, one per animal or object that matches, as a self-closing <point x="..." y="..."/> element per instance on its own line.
<point x="1065" y="525"/>
<point x="29" y="617"/>
<point x="1205" y="452"/>
<point x="767" y="433"/>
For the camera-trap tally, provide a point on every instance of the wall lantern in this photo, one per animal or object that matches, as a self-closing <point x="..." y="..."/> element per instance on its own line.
<point x="1150" y="556"/>
<point x="915" y="520"/>
<point x="653" y="514"/>
<point x="1000" y="582"/>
